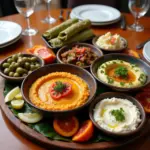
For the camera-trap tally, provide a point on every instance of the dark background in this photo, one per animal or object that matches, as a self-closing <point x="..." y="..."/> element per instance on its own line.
<point x="8" y="8"/>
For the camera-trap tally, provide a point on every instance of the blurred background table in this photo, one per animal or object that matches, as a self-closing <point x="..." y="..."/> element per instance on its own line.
<point x="9" y="137"/>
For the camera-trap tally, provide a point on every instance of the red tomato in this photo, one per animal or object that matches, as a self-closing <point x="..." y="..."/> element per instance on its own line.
<point x="55" y="95"/>
<point x="80" y="50"/>
<point x="67" y="91"/>
<point x="58" y="95"/>
<point x="113" y="40"/>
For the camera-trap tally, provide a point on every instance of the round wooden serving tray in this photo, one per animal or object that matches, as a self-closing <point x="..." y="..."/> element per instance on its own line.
<point x="47" y="143"/>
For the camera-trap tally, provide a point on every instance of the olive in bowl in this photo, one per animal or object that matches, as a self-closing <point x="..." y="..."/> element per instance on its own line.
<point x="18" y="66"/>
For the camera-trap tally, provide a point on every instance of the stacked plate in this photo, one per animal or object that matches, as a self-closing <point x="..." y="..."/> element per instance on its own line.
<point x="146" y="51"/>
<point x="98" y="14"/>
<point x="10" y="32"/>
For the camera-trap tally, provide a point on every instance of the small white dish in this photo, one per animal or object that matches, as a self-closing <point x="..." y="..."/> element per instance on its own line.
<point x="146" y="51"/>
<point x="96" y="13"/>
<point x="9" y="31"/>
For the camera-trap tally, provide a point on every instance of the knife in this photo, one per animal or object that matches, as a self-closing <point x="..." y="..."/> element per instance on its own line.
<point x="140" y="46"/>
<point x="123" y="23"/>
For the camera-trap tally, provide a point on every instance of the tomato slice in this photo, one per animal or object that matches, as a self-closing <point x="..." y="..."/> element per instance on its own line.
<point x="68" y="90"/>
<point x="57" y="95"/>
<point x="80" y="50"/>
<point x="144" y="99"/>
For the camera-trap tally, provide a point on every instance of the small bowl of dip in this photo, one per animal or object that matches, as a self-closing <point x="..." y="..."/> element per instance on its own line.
<point x="117" y="114"/>
<point x="110" y="42"/>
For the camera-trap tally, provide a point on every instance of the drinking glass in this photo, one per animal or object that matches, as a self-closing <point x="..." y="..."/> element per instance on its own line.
<point x="26" y="8"/>
<point x="138" y="8"/>
<point x="49" y="19"/>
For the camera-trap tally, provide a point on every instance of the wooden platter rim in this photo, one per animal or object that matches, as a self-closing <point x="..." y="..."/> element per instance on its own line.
<point x="35" y="136"/>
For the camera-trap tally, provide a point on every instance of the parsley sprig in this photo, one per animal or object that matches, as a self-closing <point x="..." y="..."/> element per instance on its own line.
<point x="60" y="86"/>
<point x="118" y="114"/>
<point x="121" y="71"/>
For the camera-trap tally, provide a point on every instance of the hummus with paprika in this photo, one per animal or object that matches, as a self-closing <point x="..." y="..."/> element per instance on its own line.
<point x="59" y="91"/>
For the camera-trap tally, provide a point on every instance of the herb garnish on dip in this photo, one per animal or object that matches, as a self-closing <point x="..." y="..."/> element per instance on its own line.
<point x="117" y="115"/>
<point x="121" y="74"/>
<point x="60" y="89"/>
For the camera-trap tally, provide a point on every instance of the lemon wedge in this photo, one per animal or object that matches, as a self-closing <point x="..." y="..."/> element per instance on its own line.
<point x="12" y="94"/>
<point x="17" y="104"/>
<point x="19" y="96"/>
<point x="30" y="117"/>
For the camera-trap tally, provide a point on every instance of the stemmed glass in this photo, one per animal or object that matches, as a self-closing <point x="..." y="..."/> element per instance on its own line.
<point x="138" y="8"/>
<point x="49" y="19"/>
<point x="26" y="8"/>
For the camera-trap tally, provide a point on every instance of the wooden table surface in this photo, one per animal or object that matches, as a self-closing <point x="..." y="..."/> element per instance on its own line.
<point x="9" y="137"/>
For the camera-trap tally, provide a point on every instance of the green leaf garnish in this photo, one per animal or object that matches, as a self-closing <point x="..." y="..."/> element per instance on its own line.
<point x="121" y="71"/>
<point x="122" y="83"/>
<point x="110" y="80"/>
<point x="118" y="114"/>
<point x="59" y="87"/>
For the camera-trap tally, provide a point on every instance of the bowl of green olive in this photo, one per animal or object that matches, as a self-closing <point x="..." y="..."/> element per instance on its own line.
<point x="18" y="66"/>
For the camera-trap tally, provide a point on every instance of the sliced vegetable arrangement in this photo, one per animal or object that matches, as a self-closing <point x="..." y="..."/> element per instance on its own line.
<point x="64" y="129"/>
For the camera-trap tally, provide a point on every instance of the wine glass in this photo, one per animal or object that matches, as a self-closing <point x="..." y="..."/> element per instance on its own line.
<point x="138" y="8"/>
<point x="26" y="8"/>
<point x="49" y="19"/>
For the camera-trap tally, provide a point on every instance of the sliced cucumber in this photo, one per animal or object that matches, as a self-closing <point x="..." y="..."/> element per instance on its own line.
<point x="30" y="117"/>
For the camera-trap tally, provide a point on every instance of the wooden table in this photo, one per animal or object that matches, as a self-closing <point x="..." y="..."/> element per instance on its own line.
<point x="9" y="137"/>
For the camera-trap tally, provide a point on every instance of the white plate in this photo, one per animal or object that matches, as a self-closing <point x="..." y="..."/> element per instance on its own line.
<point x="11" y="42"/>
<point x="97" y="24"/>
<point x="96" y="13"/>
<point x="146" y="51"/>
<point x="9" y="31"/>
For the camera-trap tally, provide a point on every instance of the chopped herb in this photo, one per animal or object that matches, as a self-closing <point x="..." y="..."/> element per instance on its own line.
<point x="142" y="78"/>
<point x="130" y="83"/>
<point x="134" y="65"/>
<point x="59" y="87"/>
<point x="121" y="71"/>
<point x="102" y="66"/>
<point x="114" y="62"/>
<point x="102" y="71"/>
<point x="121" y="61"/>
<point x="122" y="83"/>
<point x="136" y="70"/>
<point x="110" y="80"/>
<point x="118" y="114"/>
